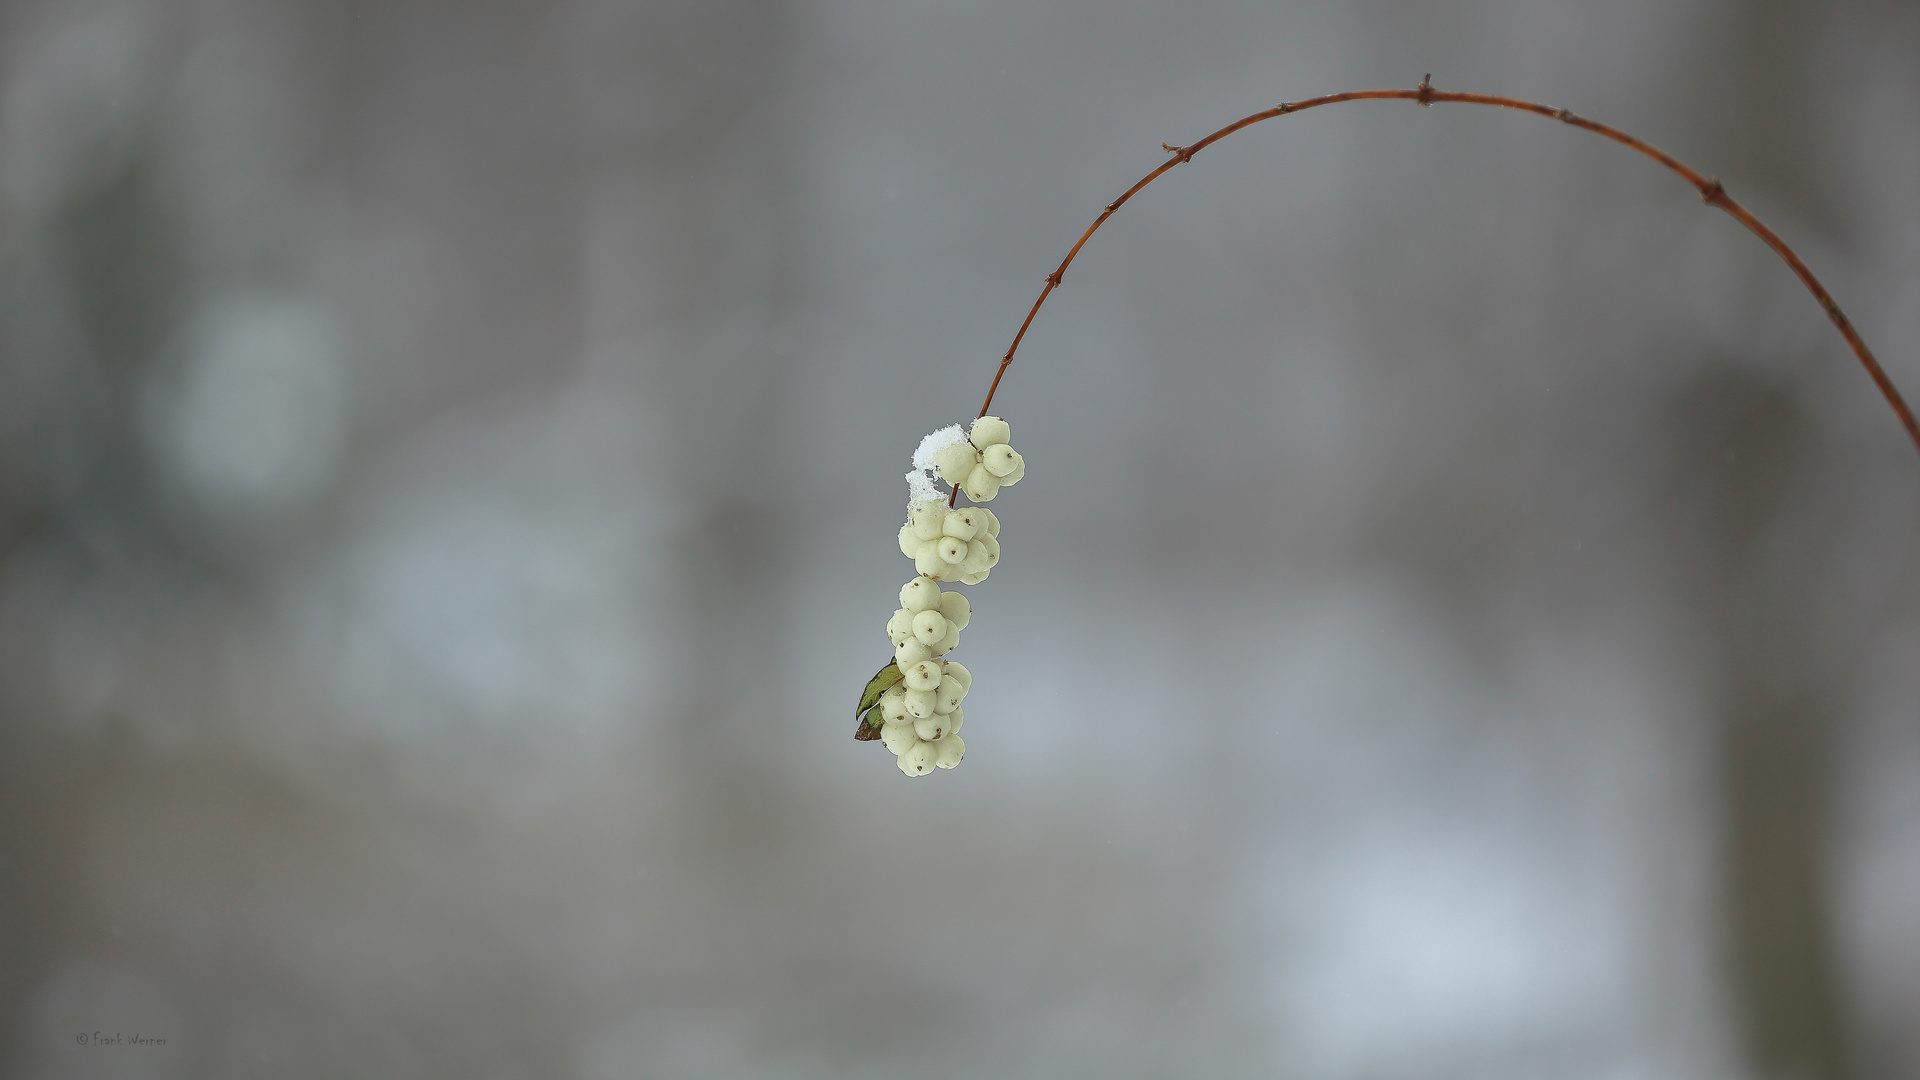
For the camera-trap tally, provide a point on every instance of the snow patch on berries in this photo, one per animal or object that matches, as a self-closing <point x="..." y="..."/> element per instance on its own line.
<point x="920" y="481"/>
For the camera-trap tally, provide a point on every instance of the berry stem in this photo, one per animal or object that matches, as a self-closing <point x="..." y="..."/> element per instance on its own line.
<point x="1711" y="193"/>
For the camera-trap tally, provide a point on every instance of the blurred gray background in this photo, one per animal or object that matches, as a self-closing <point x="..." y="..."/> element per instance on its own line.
<point x="1461" y="621"/>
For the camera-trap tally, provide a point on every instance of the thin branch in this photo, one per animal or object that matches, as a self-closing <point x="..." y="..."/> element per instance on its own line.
<point x="1711" y="192"/>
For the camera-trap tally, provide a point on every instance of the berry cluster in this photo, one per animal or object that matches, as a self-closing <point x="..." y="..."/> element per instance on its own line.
<point x="960" y="544"/>
<point x="922" y="712"/>
<point x="983" y="464"/>
<point x="928" y="624"/>
<point x="919" y="712"/>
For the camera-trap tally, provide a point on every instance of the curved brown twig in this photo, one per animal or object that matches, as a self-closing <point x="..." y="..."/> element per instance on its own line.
<point x="1710" y="192"/>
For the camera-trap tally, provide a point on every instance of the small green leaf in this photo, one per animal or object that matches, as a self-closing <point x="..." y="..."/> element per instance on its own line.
<point x="879" y="684"/>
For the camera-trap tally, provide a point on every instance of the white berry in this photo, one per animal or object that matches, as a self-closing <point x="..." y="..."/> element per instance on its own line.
<point x="950" y="751"/>
<point x="910" y="652"/>
<point x="926" y="519"/>
<point x="919" y="759"/>
<point x="1019" y="471"/>
<point x="920" y="594"/>
<point x="977" y="560"/>
<point x="954" y="462"/>
<point x="898" y="738"/>
<point x="930" y="626"/>
<point x="893" y="705"/>
<point x="920" y="703"/>
<point x="947" y="644"/>
<point x="954" y="606"/>
<point x="927" y="561"/>
<point x="963" y="524"/>
<point x="949" y="696"/>
<point x="924" y="674"/>
<point x="981" y="485"/>
<point x="989" y="430"/>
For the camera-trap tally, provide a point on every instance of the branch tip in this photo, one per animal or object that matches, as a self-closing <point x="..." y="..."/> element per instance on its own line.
<point x="1711" y="193"/>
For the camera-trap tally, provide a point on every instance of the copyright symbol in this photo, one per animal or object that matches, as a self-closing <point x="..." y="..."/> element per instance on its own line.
<point x="81" y="1038"/>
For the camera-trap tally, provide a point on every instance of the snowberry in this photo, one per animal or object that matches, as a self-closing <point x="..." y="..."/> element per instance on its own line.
<point x="924" y="675"/>
<point x="928" y="563"/>
<point x="980" y="485"/>
<point x="947" y="644"/>
<point x="949" y="696"/>
<point x="960" y="672"/>
<point x="999" y="459"/>
<point x="930" y="626"/>
<point x="898" y="738"/>
<point x="900" y="627"/>
<point x="989" y="430"/>
<point x="954" y="461"/>
<point x="919" y="759"/>
<point x="950" y="751"/>
<point x="909" y="540"/>
<point x="926" y="518"/>
<point x="993" y="522"/>
<point x="977" y="560"/>
<point x="931" y="728"/>
<point x="920" y="594"/>
<point x="962" y="524"/>
<point x="1019" y="472"/>
<point x="955" y="607"/>
<point x="893" y="705"/>
<point x="955" y="719"/>
<point x="953" y="549"/>
<point x="920" y="703"/>
<point x="910" y="652"/>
